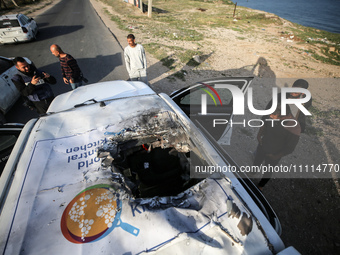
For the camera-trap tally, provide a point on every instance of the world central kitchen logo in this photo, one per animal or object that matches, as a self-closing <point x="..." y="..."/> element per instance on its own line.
<point x="238" y="104"/>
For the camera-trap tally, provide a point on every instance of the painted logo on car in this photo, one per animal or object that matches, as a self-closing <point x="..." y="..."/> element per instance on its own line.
<point x="93" y="214"/>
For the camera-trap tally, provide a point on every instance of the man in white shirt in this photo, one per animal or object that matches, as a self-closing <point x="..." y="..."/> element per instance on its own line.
<point x="135" y="60"/>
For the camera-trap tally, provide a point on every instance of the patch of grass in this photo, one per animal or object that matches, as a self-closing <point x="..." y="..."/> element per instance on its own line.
<point x="186" y="55"/>
<point x="117" y="20"/>
<point x="330" y="41"/>
<point x="324" y="114"/>
<point x="193" y="63"/>
<point x="236" y="29"/>
<point x="180" y="75"/>
<point x="168" y="62"/>
<point x="313" y="131"/>
<point x="227" y="2"/>
<point x="328" y="57"/>
<point x="328" y="123"/>
<point x="161" y="52"/>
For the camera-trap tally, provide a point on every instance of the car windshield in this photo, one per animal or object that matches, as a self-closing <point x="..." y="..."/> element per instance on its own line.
<point x="9" y="23"/>
<point x="5" y="65"/>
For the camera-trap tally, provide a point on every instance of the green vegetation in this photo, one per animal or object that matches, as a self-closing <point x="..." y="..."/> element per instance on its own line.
<point x="175" y="59"/>
<point x="324" y="114"/>
<point x="325" y="117"/>
<point x="180" y="75"/>
<point x="184" y="23"/>
<point x="190" y="21"/>
<point x="329" y="42"/>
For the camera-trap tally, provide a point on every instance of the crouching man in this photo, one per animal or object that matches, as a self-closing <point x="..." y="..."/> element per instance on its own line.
<point x="33" y="84"/>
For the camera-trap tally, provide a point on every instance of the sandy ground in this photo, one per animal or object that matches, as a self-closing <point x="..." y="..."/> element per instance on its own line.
<point x="308" y="209"/>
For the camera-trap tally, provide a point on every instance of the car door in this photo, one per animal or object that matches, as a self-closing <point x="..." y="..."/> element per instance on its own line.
<point x="25" y="24"/>
<point x="9" y="94"/>
<point x="209" y="104"/>
<point x="8" y="137"/>
<point x="30" y="24"/>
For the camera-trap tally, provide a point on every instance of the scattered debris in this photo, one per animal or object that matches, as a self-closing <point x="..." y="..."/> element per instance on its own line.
<point x="324" y="40"/>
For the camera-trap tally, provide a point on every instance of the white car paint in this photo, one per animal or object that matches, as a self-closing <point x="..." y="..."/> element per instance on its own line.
<point x="56" y="163"/>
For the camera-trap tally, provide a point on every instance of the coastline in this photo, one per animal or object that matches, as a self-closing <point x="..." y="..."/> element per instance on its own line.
<point x="319" y="14"/>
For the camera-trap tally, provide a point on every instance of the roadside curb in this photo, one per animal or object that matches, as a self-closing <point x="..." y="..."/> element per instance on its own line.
<point x="111" y="25"/>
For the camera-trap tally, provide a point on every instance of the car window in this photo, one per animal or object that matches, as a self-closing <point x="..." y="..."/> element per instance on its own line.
<point x="5" y="65"/>
<point x="9" y="23"/>
<point x="194" y="97"/>
<point x="26" y="19"/>
<point x="23" y="21"/>
<point x="6" y="145"/>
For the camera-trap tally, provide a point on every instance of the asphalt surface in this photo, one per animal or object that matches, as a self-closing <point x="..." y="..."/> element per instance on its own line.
<point x="77" y="29"/>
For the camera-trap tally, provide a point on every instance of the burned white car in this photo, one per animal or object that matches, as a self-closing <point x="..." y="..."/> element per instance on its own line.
<point x="111" y="169"/>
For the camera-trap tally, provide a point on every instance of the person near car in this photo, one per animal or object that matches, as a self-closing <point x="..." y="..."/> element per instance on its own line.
<point x="135" y="60"/>
<point x="299" y="116"/>
<point x="33" y="83"/>
<point x="276" y="141"/>
<point x="69" y="67"/>
<point x="296" y="112"/>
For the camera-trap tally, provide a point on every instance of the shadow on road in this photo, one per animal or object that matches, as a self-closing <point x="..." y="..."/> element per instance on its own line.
<point x="55" y="31"/>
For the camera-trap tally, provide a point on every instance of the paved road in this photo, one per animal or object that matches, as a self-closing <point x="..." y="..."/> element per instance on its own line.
<point x="75" y="26"/>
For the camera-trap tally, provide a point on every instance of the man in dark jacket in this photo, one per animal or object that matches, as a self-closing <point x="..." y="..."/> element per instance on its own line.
<point x="276" y="140"/>
<point x="69" y="67"/>
<point x="33" y="84"/>
<point x="298" y="115"/>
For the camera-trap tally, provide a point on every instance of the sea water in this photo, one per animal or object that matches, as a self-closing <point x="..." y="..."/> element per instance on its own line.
<point x="320" y="14"/>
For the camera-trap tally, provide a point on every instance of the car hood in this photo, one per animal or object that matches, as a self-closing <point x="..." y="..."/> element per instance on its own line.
<point x="67" y="203"/>
<point x="99" y="92"/>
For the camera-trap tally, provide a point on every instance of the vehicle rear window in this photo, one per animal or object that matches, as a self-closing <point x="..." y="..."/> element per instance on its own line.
<point x="9" y="23"/>
<point x="5" y="65"/>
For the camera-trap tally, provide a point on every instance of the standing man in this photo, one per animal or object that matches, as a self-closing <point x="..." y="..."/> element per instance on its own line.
<point x="69" y="68"/>
<point x="298" y="115"/>
<point x="135" y="60"/>
<point x="295" y="111"/>
<point x="33" y="84"/>
<point x="276" y="141"/>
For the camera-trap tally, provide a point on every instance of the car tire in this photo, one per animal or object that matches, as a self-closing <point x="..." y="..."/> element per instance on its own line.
<point x="34" y="37"/>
